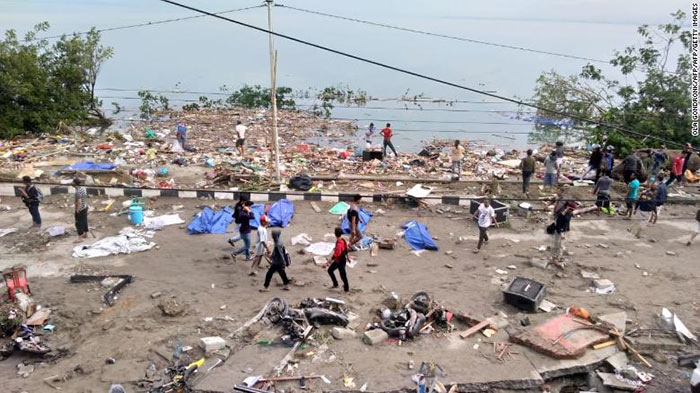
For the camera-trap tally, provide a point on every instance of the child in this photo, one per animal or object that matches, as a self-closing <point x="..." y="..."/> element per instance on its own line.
<point x="261" y="248"/>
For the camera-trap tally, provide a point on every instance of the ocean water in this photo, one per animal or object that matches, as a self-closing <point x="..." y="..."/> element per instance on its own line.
<point x="202" y="54"/>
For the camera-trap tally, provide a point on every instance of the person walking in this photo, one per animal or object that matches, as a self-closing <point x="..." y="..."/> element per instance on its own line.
<point x="261" y="247"/>
<point x="244" y="216"/>
<point x="594" y="163"/>
<point x="602" y="193"/>
<point x="687" y="154"/>
<point x="563" y="211"/>
<point x="631" y="165"/>
<point x="646" y="206"/>
<point x="338" y="260"/>
<point x="240" y="137"/>
<point x="632" y="195"/>
<point x="551" y="171"/>
<point x="693" y="235"/>
<point x="32" y="197"/>
<point x="677" y="164"/>
<point x="660" y="197"/>
<point x="280" y="261"/>
<point x="181" y="134"/>
<point x="485" y="216"/>
<point x="527" y="165"/>
<point x="659" y="158"/>
<point x="388" y="133"/>
<point x="354" y="220"/>
<point x="457" y="157"/>
<point x="81" y="210"/>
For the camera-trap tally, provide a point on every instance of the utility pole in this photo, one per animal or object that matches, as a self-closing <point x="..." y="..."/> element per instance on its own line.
<point x="273" y="90"/>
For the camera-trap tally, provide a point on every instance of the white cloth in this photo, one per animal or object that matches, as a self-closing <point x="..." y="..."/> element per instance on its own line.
<point x="121" y="244"/>
<point x="262" y="239"/>
<point x="486" y="216"/>
<point x="320" y="248"/>
<point x="240" y="131"/>
<point x="157" y="223"/>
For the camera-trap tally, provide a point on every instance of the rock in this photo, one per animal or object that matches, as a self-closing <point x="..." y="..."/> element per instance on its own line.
<point x="211" y="344"/>
<point x="670" y="253"/>
<point x="569" y="253"/>
<point x="374" y="337"/>
<point x="511" y="267"/>
<point x="602" y="283"/>
<point x="540" y="263"/>
<point x="156" y="295"/>
<point x="603" y="245"/>
<point x="171" y="308"/>
<point x="449" y="266"/>
<point x="340" y="333"/>
<point x="586" y="274"/>
<point x="97" y="311"/>
<point x="24" y="370"/>
<point x="449" y="252"/>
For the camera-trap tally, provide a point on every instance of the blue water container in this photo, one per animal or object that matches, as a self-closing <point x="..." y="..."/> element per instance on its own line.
<point x="136" y="214"/>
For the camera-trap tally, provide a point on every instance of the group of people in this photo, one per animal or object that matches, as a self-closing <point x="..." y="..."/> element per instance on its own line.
<point x="32" y="197"/>
<point x="240" y="134"/>
<point x="387" y="134"/>
<point x="278" y="258"/>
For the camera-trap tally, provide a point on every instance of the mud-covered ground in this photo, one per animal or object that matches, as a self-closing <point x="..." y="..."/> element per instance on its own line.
<point x="198" y="272"/>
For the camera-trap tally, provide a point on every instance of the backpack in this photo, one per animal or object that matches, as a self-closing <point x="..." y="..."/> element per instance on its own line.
<point x="237" y="213"/>
<point x="301" y="183"/>
<point x="287" y="258"/>
<point x="39" y="194"/>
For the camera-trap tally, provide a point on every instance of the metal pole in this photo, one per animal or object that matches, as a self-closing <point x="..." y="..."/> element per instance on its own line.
<point x="273" y="90"/>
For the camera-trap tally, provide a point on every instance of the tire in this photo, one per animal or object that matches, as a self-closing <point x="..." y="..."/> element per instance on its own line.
<point x="277" y="309"/>
<point x="420" y="301"/>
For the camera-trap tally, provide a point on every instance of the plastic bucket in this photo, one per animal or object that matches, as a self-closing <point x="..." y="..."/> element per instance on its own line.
<point x="136" y="214"/>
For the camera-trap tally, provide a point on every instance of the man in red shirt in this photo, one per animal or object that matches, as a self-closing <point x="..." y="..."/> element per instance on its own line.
<point x="388" y="133"/>
<point x="338" y="260"/>
<point x="676" y="169"/>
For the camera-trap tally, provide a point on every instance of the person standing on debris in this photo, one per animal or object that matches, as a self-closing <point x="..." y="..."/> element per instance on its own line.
<point x="697" y="229"/>
<point x="551" y="171"/>
<point x="609" y="159"/>
<point x="632" y="164"/>
<point x="354" y="221"/>
<point x="559" y="149"/>
<point x="369" y="135"/>
<point x="632" y="195"/>
<point x="485" y="216"/>
<point x="338" y="260"/>
<point x="602" y="193"/>
<point x="457" y="156"/>
<point x="659" y="158"/>
<point x="280" y="261"/>
<point x="240" y="137"/>
<point x="677" y="164"/>
<point x="563" y="211"/>
<point x="594" y="163"/>
<point x="81" y="210"/>
<point x="31" y="196"/>
<point x="660" y="197"/>
<point x="181" y="134"/>
<point x="388" y="133"/>
<point x="261" y="248"/>
<point x="527" y="165"/>
<point x="244" y="217"/>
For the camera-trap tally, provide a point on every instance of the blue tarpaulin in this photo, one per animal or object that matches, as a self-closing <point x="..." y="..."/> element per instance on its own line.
<point x="281" y="213"/>
<point x="258" y="210"/>
<point x="417" y="236"/>
<point x="90" y="166"/>
<point x="209" y="221"/>
<point x="365" y="216"/>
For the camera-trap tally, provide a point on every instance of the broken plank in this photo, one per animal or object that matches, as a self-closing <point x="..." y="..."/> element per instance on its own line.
<point x="605" y="344"/>
<point x="474" y="329"/>
<point x="315" y="207"/>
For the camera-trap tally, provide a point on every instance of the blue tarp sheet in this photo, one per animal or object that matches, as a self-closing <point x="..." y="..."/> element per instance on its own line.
<point x="417" y="236"/>
<point x="90" y="166"/>
<point x="281" y="213"/>
<point x="365" y="216"/>
<point x="209" y="221"/>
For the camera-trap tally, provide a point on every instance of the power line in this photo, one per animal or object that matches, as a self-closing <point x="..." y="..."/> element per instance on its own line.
<point x="464" y="39"/>
<point x="423" y="76"/>
<point x="158" y="22"/>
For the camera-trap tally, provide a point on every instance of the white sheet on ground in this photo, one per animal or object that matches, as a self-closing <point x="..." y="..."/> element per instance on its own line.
<point x="157" y="223"/>
<point x="320" y="248"/>
<point x="121" y="244"/>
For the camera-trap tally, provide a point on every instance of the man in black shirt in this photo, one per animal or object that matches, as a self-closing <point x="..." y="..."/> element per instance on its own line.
<point x="594" y="163"/>
<point x="31" y="196"/>
<point x="354" y="220"/>
<point x="244" y="217"/>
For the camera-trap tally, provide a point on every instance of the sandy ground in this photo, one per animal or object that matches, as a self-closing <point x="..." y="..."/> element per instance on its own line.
<point x="197" y="271"/>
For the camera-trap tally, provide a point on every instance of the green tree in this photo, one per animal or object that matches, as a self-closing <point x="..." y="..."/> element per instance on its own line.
<point x="42" y="85"/>
<point x="655" y="107"/>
